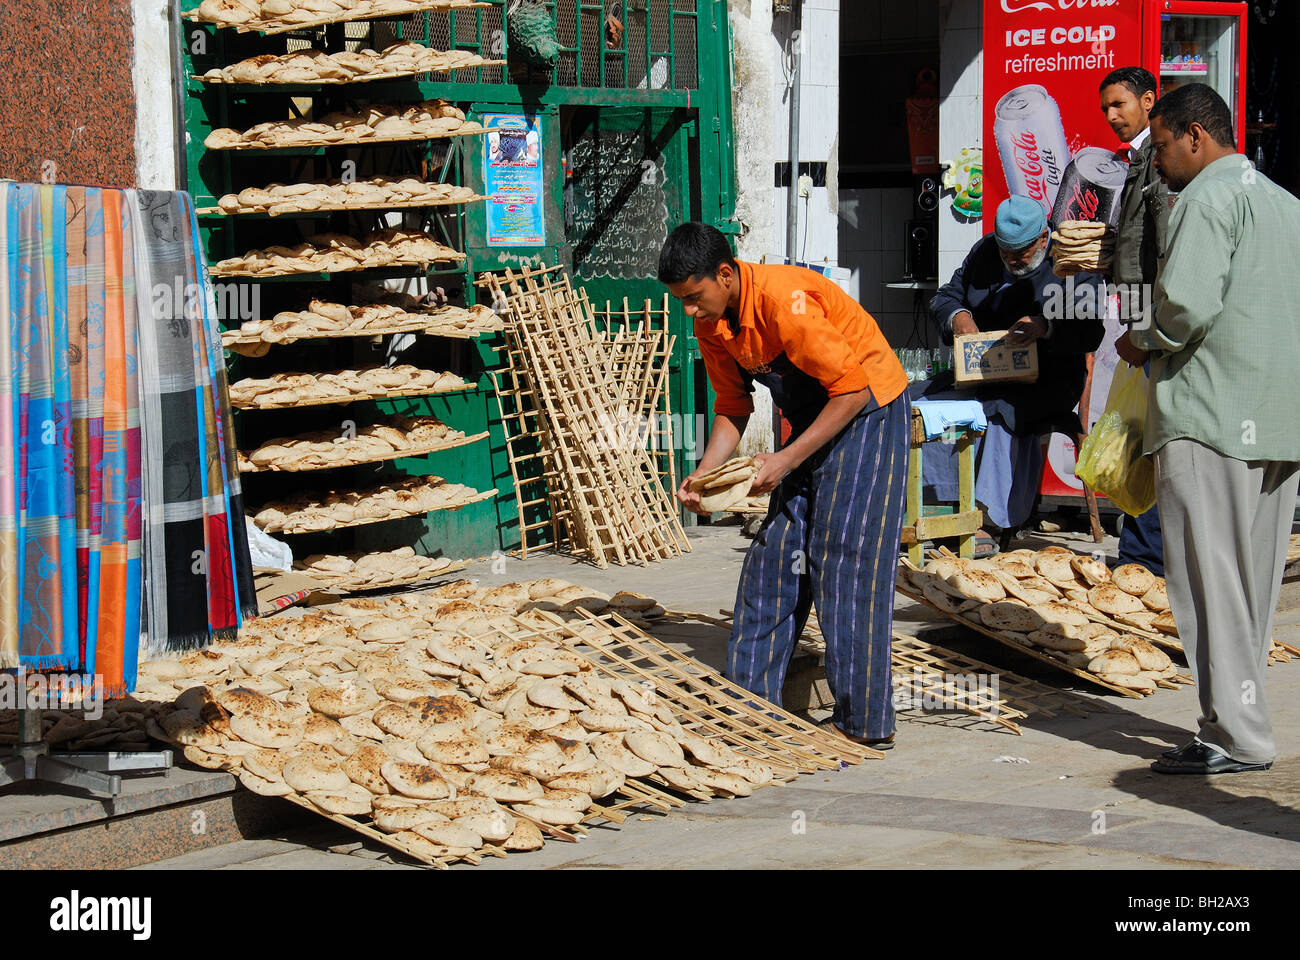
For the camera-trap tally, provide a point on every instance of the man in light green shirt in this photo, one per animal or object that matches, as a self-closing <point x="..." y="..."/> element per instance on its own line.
<point x="1224" y="348"/>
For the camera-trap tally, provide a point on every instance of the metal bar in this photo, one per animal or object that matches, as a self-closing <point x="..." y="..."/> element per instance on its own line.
<point x="672" y="47"/>
<point x="577" y="40"/>
<point x="792" y="194"/>
<point x="649" y="83"/>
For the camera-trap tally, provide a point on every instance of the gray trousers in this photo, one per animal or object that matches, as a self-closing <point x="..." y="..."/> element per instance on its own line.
<point x="1226" y="525"/>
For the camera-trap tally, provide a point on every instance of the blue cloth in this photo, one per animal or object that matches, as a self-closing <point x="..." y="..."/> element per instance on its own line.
<point x="1019" y="222"/>
<point x="1141" y="542"/>
<point x="1008" y="461"/>
<point x="830" y="539"/>
<point x="1008" y="470"/>
<point x="938" y="415"/>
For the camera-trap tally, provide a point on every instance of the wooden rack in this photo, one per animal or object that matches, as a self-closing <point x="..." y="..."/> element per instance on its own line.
<point x="395" y="455"/>
<point x="363" y="11"/>
<point x="334" y="401"/>
<point x="332" y="208"/>
<point x="479" y="498"/>
<point x="615" y="506"/>
<point x="469" y="129"/>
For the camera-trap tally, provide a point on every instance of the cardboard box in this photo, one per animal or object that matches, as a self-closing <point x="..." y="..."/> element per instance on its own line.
<point x="984" y="358"/>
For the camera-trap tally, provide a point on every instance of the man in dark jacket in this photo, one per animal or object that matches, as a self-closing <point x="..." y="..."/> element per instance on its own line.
<point x="1127" y="96"/>
<point x="1006" y="283"/>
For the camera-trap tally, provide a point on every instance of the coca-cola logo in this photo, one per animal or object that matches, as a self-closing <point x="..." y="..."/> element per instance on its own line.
<point x="1084" y="203"/>
<point x="1020" y="6"/>
<point x="1030" y="164"/>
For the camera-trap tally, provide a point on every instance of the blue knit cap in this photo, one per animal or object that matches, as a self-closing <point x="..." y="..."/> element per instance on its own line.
<point x="1019" y="222"/>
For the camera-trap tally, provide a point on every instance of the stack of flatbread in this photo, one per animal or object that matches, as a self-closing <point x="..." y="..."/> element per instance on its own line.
<point x="431" y="719"/>
<point x="339" y="253"/>
<point x="314" y="66"/>
<point x="751" y="505"/>
<point x="369" y="571"/>
<point x="341" y="386"/>
<point x="1069" y="606"/>
<point x="312" y="513"/>
<point x="279" y="15"/>
<point x="324" y="319"/>
<point x="378" y="122"/>
<point x="726" y="485"/>
<point x="278" y="198"/>
<point x="320" y="449"/>
<point x="1082" y="246"/>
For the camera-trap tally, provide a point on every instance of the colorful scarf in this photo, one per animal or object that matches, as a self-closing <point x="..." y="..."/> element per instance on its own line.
<point x="121" y="518"/>
<point x="37" y="564"/>
<point x="200" y="573"/>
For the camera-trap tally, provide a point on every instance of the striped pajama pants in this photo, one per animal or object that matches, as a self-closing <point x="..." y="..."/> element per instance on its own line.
<point x="830" y="539"/>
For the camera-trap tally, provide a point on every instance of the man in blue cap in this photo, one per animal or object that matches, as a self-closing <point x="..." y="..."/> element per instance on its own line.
<point x="1006" y="283"/>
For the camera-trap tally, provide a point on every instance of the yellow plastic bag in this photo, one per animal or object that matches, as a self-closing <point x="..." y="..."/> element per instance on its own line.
<point x="1110" y="460"/>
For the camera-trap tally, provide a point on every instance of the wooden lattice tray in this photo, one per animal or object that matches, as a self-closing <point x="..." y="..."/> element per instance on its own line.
<point x="336" y="401"/>
<point x="395" y="455"/>
<point x="364" y="10"/>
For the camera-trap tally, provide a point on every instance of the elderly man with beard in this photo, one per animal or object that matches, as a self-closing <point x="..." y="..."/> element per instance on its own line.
<point x="1006" y="283"/>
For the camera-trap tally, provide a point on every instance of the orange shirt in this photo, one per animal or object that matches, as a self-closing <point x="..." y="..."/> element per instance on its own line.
<point x="821" y="330"/>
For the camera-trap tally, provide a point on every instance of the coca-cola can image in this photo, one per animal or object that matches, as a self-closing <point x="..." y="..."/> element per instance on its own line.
<point x="1091" y="189"/>
<point x="1031" y="142"/>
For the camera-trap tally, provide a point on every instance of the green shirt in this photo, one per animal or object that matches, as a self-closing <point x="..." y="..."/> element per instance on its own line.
<point x="1226" y="334"/>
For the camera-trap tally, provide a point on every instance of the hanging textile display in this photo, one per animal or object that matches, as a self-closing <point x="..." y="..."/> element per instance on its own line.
<point x="192" y="529"/>
<point x="121" y="519"/>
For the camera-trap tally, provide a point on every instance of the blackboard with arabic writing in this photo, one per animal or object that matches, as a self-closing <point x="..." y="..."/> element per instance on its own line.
<point x="615" y="211"/>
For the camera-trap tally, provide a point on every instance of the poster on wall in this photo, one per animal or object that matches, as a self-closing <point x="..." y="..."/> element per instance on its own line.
<point x="1043" y="63"/>
<point x="1046" y="137"/>
<point x="512" y="165"/>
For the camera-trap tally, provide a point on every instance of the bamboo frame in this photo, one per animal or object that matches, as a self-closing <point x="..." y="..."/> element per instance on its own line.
<point x="349" y="587"/>
<point x="367" y="13"/>
<point x="395" y="455"/>
<point x="907" y="651"/>
<point x="469" y="129"/>
<point x="417" y="325"/>
<point x="309" y="268"/>
<point x="265" y="208"/>
<point x="703" y="700"/>
<point x="337" y="401"/>
<point x="1016" y="642"/>
<point x="473" y="64"/>
<point x="485" y="495"/>
<point x="616" y="508"/>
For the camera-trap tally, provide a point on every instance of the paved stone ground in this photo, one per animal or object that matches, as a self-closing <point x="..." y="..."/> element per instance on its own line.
<point x="1084" y="799"/>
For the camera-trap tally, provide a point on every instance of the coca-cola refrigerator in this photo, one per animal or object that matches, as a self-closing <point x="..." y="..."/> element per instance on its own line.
<point x="1045" y="136"/>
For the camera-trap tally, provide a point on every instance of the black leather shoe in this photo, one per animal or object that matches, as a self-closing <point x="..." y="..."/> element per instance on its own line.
<point x="1177" y="751"/>
<point x="1197" y="758"/>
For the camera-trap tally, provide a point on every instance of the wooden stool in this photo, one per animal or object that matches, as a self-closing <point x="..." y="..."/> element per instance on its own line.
<point x="965" y="523"/>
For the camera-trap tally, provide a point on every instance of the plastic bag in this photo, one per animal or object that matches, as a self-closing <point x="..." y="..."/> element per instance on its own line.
<point x="1110" y="460"/>
<point x="267" y="552"/>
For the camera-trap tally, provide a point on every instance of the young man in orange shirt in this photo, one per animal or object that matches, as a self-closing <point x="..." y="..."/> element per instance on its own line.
<point x="831" y="535"/>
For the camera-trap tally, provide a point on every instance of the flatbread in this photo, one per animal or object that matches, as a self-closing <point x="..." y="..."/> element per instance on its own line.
<point x="1157" y="598"/>
<point x="1090" y="569"/>
<point x="716" y="500"/>
<point x="1006" y="615"/>
<point x="711" y="478"/>
<point x="1110" y="599"/>
<point x="1133" y="578"/>
<point x="1114" y="662"/>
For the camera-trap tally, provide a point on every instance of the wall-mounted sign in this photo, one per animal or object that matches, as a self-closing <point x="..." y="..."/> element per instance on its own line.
<point x="512" y="164"/>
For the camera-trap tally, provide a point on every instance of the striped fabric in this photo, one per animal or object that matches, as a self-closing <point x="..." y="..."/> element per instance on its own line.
<point x="88" y="397"/>
<point x="830" y="539"/>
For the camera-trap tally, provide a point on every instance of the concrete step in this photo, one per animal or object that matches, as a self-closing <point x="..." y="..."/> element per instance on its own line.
<point x="154" y="818"/>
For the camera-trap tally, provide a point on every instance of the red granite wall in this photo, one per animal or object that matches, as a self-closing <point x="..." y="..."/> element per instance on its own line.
<point x="66" y="92"/>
